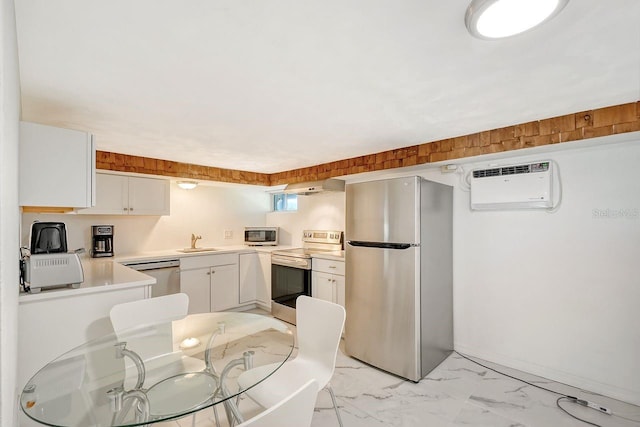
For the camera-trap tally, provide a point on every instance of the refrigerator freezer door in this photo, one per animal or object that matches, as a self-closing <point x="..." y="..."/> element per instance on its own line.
<point x="383" y="211"/>
<point x="382" y="300"/>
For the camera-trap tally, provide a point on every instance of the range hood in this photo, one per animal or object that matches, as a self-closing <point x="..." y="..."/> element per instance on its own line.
<point x="306" y="188"/>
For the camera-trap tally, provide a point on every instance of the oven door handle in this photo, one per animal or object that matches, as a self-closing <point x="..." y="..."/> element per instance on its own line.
<point x="290" y="262"/>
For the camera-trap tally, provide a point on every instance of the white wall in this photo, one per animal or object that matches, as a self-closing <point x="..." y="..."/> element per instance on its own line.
<point x="554" y="294"/>
<point x="322" y="211"/>
<point x="9" y="213"/>
<point x="557" y="294"/>
<point x="206" y="211"/>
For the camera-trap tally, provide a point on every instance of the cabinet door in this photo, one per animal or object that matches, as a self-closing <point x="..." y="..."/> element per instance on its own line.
<point x="197" y="284"/>
<point x="339" y="290"/>
<point x="148" y="196"/>
<point x="111" y="195"/>
<point x="249" y="272"/>
<point x="322" y="286"/>
<point x="56" y="167"/>
<point x="224" y="287"/>
<point x="263" y="281"/>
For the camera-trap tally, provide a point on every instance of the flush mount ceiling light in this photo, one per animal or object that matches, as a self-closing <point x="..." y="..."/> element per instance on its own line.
<point x="187" y="185"/>
<point x="495" y="19"/>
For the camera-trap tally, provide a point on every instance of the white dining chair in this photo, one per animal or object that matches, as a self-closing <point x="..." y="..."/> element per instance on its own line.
<point x="140" y="312"/>
<point x="159" y="348"/>
<point x="319" y="326"/>
<point x="295" y="410"/>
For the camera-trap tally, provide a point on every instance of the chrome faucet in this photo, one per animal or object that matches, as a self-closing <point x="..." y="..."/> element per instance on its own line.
<point x="194" y="239"/>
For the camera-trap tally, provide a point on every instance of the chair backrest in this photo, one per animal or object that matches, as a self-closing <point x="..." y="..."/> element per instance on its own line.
<point x="296" y="410"/>
<point x="134" y="313"/>
<point x="319" y="326"/>
<point x="159" y="343"/>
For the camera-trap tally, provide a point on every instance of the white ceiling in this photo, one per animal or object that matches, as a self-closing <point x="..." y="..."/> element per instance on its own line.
<point x="273" y="85"/>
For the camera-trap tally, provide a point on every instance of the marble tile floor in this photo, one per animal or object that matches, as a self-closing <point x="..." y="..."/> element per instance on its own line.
<point x="456" y="393"/>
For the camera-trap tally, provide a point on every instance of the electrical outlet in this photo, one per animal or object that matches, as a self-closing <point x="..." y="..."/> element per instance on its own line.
<point x="228" y="234"/>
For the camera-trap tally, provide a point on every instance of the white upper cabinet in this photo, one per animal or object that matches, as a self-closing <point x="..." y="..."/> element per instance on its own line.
<point x="130" y="195"/>
<point x="56" y="167"/>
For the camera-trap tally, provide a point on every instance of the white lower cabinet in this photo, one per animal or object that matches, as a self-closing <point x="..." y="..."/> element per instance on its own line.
<point x="211" y="281"/>
<point x="327" y="280"/>
<point x="249" y="272"/>
<point x="197" y="284"/>
<point x="255" y="278"/>
<point x="263" y="283"/>
<point x="224" y="287"/>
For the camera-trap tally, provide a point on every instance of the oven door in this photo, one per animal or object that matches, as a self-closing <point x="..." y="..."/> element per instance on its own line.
<point x="287" y="284"/>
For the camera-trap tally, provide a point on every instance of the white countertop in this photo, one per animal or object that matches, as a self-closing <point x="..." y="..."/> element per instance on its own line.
<point x="100" y="275"/>
<point x="336" y="256"/>
<point x="105" y="274"/>
<point x="173" y="253"/>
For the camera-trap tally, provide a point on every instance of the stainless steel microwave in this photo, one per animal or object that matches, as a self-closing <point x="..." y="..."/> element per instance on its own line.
<point x="261" y="236"/>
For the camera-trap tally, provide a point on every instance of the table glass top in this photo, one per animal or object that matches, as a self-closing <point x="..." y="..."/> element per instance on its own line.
<point x="156" y="372"/>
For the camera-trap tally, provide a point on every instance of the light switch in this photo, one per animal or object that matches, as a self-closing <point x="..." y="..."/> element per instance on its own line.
<point x="228" y="234"/>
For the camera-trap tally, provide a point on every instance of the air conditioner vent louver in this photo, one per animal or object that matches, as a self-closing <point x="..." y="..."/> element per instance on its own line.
<point x="486" y="172"/>
<point x="507" y="170"/>
<point x="527" y="186"/>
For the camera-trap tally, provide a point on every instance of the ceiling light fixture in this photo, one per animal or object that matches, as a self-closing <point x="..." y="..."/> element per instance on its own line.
<point x="495" y="19"/>
<point x="187" y="185"/>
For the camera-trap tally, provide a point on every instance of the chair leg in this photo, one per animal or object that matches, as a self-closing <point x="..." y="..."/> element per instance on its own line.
<point x="215" y="415"/>
<point x="335" y="404"/>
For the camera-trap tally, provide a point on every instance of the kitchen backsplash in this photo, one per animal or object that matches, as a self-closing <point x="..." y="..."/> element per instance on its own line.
<point x="207" y="211"/>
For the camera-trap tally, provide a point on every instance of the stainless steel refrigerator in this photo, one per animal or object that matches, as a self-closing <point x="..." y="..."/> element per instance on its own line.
<point x="399" y="298"/>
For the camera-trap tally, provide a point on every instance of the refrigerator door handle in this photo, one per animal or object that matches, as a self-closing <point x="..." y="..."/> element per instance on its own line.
<point x="382" y="245"/>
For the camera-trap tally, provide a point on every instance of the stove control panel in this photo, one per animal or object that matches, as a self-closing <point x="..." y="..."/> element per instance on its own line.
<point x="322" y="236"/>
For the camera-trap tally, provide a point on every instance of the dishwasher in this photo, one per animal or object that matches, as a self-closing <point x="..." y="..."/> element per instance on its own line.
<point x="165" y="271"/>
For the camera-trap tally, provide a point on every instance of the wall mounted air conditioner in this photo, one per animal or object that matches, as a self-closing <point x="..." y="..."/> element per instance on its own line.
<point x="523" y="186"/>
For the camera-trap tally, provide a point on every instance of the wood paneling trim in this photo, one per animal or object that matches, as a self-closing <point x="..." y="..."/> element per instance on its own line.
<point x="125" y="163"/>
<point x="555" y="130"/>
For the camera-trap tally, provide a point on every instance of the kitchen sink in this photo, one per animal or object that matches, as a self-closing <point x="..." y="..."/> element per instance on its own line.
<point x="191" y="250"/>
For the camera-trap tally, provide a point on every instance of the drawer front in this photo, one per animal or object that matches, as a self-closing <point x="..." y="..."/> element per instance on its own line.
<point x="328" y="266"/>
<point x="190" y="262"/>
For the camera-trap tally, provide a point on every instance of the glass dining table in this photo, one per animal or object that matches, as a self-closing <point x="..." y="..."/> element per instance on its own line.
<point x="158" y="372"/>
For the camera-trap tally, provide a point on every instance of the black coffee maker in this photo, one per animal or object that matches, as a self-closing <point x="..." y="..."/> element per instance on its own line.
<point x="102" y="237"/>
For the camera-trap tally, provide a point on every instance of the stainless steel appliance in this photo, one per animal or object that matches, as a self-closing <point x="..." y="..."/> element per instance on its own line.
<point x="47" y="263"/>
<point x="48" y="238"/>
<point x="291" y="271"/>
<point x="102" y="238"/>
<point x="52" y="270"/>
<point x="261" y="236"/>
<point x="399" y="274"/>
<point x="165" y="271"/>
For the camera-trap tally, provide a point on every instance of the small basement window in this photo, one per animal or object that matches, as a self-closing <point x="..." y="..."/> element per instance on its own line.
<point x="285" y="202"/>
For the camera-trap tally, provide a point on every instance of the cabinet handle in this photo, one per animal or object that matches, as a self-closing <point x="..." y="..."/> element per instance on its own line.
<point x="208" y="273"/>
<point x="125" y="209"/>
<point x="332" y="266"/>
<point x="130" y="209"/>
<point x="213" y="271"/>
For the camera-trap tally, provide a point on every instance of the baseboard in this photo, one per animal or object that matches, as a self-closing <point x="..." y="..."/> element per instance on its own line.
<point x="609" y="390"/>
